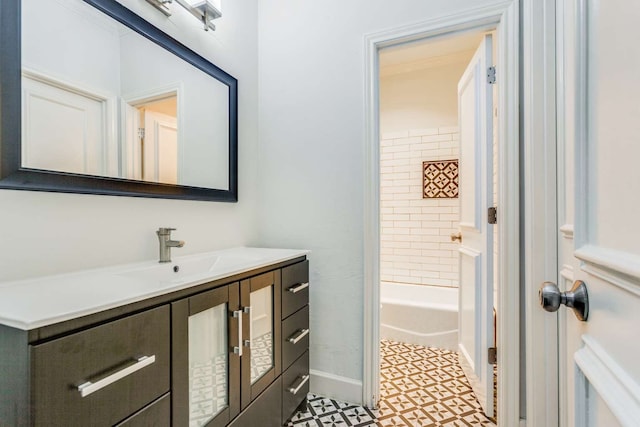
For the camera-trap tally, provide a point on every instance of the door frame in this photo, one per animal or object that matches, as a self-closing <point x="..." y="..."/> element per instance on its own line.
<point x="505" y="17"/>
<point x="542" y="153"/>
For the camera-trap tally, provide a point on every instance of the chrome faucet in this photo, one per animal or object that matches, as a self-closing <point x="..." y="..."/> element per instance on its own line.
<point x="164" y="236"/>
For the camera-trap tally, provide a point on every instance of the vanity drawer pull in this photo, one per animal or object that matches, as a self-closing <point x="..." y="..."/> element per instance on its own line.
<point x="296" y="388"/>
<point x="89" y="387"/>
<point x="301" y="334"/>
<point x="238" y="315"/>
<point x="297" y="288"/>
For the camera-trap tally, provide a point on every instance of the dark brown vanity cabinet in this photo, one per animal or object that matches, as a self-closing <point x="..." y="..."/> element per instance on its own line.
<point x="295" y="337"/>
<point x="231" y="352"/>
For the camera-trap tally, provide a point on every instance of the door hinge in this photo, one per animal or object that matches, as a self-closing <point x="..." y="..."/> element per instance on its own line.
<point x="492" y="355"/>
<point x="491" y="75"/>
<point x="492" y="215"/>
<point x="141" y="133"/>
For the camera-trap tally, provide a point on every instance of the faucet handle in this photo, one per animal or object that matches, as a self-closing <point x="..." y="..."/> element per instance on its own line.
<point x="165" y="230"/>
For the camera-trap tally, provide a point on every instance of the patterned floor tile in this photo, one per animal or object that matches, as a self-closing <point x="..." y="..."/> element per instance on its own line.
<point x="419" y="387"/>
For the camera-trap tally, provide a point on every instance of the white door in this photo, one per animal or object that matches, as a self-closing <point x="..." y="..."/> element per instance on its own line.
<point x="475" y="105"/>
<point x="600" y="180"/>
<point x="131" y="137"/>
<point x="160" y="148"/>
<point x="62" y="129"/>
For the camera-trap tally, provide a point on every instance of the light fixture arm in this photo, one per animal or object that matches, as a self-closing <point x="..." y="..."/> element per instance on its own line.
<point x="161" y="5"/>
<point x="204" y="11"/>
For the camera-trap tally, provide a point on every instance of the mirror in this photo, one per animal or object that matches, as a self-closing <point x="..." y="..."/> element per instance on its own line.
<point x="109" y="104"/>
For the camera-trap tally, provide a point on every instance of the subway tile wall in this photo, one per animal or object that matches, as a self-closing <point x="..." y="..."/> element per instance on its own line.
<point x="415" y="233"/>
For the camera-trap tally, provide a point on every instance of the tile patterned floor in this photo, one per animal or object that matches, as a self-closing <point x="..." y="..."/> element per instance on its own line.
<point x="420" y="387"/>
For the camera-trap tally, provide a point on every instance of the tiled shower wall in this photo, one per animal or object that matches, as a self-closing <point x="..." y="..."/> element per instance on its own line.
<point x="415" y="233"/>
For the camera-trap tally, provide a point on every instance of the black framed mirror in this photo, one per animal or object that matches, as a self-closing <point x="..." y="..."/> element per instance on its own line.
<point x="63" y="129"/>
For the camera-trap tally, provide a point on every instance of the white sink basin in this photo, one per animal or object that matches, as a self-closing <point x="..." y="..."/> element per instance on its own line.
<point x="209" y="265"/>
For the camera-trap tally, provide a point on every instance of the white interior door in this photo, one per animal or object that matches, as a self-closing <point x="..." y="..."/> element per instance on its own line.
<point x="599" y="369"/>
<point x="131" y="151"/>
<point x="475" y="105"/>
<point x="160" y="148"/>
<point x="62" y="129"/>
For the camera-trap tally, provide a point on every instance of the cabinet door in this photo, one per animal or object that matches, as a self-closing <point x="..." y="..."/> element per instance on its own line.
<point x="205" y="370"/>
<point x="261" y="363"/>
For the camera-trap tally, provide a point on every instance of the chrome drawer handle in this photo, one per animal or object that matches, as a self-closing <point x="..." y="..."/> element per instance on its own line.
<point x="303" y="380"/>
<point x="88" y="387"/>
<point x="302" y="333"/>
<point x="298" y="288"/>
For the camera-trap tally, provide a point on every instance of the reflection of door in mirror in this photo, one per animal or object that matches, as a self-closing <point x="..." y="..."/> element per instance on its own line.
<point x="160" y="148"/>
<point x="64" y="127"/>
<point x="150" y="143"/>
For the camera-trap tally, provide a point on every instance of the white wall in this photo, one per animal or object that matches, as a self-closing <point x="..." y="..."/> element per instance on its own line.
<point x="91" y="61"/>
<point x="418" y="122"/>
<point x="312" y="153"/>
<point x="46" y="233"/>
<point x="421" y="99"/>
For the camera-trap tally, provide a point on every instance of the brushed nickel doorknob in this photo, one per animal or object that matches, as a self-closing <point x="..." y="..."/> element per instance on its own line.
<point x="457" y="236"/>
<point x="577" y="298"/>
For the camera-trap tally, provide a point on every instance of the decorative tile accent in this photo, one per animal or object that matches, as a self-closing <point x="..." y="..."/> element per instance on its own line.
<point x="440" y="179"/>
<point x="419" y="387"/>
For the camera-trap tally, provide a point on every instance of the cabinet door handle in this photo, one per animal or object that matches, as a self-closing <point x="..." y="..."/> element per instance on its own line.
<point x="301" y="334"/>
<point x="89" y="387"/>
<point x="297" y="288"/>
<point x="293" y="389"/>
<point x="238" y="315"/>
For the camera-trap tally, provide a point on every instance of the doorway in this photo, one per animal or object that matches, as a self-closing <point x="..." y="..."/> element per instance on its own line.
<point x="431" y="277"/>
<point x="504" y="22"/>
<point x="150" y="142"/>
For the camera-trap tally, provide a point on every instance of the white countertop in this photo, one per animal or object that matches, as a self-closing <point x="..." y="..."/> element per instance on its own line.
<point x="33" y="303"/>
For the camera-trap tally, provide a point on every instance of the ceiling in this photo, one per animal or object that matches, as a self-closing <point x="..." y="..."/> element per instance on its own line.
<point x="429" y="53"/>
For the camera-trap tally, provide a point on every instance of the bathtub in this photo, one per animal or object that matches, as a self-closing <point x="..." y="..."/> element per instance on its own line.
<point x="421" y="315"/>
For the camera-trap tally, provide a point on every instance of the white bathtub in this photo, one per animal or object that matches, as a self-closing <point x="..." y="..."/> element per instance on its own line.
<point x="421" y="315"/>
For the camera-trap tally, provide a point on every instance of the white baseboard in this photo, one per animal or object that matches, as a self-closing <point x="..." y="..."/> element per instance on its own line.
<point x="335" y="387"/>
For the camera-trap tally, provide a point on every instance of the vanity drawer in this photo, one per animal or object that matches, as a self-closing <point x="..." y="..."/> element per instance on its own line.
<point x="295" y="336"/>
<point x="295" y="386"/>
<point x="295" y="288"/>
<point x="127" y="362"/>
<point x="158" y="414"/>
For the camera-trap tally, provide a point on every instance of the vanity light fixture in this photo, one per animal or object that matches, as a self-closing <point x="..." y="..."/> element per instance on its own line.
<point x="204" y="10"/>
<point x="161" y="5"/>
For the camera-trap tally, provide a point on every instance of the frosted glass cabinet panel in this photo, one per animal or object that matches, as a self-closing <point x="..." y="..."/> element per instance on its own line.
<point x="206" y="376"/>
<point x="261" y="361"/>
<point x="208" y="365"/>
<point x="261" y="332"/>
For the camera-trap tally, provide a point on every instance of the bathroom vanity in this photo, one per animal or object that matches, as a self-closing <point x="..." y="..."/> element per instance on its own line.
<point x="212" y="339"/>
